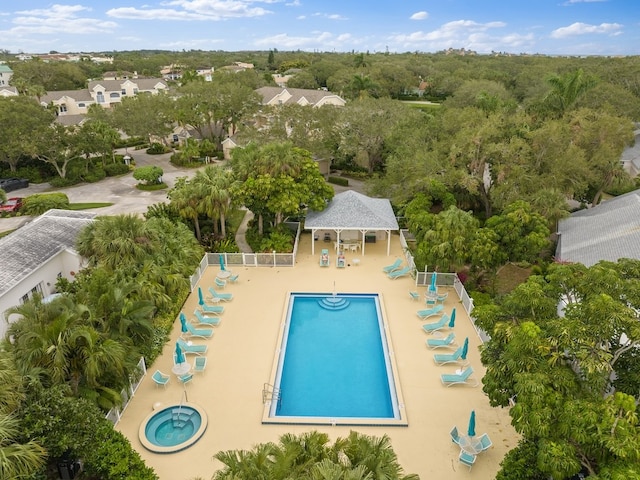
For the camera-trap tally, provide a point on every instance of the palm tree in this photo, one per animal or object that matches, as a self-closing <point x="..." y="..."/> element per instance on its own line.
<point x="18" y="460"/>
<point x="567" y="89"/>
<point x="187" y="199"/>
<point x="216" y="185"/>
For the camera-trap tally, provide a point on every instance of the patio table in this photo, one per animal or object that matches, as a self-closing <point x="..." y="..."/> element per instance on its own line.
<point x="181" y="368"/>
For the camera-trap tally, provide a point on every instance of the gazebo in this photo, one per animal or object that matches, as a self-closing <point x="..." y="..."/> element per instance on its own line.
<point x="352" y="211"/>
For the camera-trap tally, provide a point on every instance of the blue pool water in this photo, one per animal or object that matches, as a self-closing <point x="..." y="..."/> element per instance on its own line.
<point x="173" y="426"/>
<point x="335" y="359"/>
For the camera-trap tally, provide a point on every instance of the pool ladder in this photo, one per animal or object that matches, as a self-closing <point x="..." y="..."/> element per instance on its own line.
<point x="270" y="393"/>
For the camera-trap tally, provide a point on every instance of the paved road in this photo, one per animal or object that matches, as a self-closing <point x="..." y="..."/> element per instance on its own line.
<point x="122" y="191"/>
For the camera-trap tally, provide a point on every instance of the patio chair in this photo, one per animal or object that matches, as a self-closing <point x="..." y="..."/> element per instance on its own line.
<point x="441" y="297"/>
<point x="439" y="325"/>
<point x="394" y="266"/>
<point x="444" y="358"/>
<point x="200" y="364"/>
<point x="199" y="332"/>
<point x="160" y="378"/>
<point x="466" y="459"/>
<point x="485" y="442"/>
<point x="205" y="319"/>
<point x="226" y="297"/>
<point x="186" y="378"/>
<point x="212" y="308"/>
<point x="399" y="273"/>
<point x="430" y="312"/>
<point x="414" y="295"/>
<point x="446" y="342"/>
<point x="188" y="347"/>
<point x="233" y="278"/>
<point x="455" y="436"/>
<point x="220" y="283"/>
<point x="449" y="379"/>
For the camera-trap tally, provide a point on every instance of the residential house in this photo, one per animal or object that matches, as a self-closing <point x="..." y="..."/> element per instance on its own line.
<point x="206" y="72"/>
<point x="108" y="92"/>
<point x="36" y="255"/>
<point x="5" y="75"/>
<point x="630" y="158"/>
<point x="608" y="231"/>
<point x="281" y="80"/>
<point x="315" y="98"/>
<point x="68" y="102"/>
<point x="8" y="91"/>
<point x="113" y="75"/>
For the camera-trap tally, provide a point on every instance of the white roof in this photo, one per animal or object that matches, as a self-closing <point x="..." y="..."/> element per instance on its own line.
<point x="353" y="211"/>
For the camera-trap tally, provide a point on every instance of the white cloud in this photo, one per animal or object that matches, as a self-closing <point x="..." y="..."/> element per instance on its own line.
<point x="295" y="3"/>
<point x="194" y="10"/>
<point x="573" y="2"/>
<point x="580" y="28"/>
<point x="330" y="16"/>
<point x="317" y="40"/>
<point x="419" y="16"/>
<point x="58" y="18"/>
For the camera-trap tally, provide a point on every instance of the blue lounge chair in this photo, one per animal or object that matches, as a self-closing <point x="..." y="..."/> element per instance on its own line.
<point x="394" y="266"/>
<point x="439" y="325"/>
<point x="414" y="295"/>
<point x="200" y="364"/>
<point x="324" y="257"/>
<point x="399" y="273"/>
<point x="220" y="283"/>
<point x="449" y="379"/>
<point x="160" y="378"/>
<point x="430" y="312"/>
<point x="188" y="347"/>
<point x="199" y="332"/>
<point x="444" y="358"/>
<point x="220" y="296"/>
<point x="467" y="459"/>
<point x="212" y="308"/>
<point x="205" y="319"/>
<point x="446" y="342"/>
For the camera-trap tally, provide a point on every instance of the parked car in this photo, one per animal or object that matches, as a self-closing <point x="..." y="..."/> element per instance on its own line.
<point x="12" y="205"/>
<point x="11" y="184"/>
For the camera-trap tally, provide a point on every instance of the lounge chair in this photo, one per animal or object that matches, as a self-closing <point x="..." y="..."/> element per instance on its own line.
<point x="205" y="319"/>
<point x="188" y="347"/>
<point x="446" y="342"/>
<point x="444" y="358"/>
<point x="414" y="295"/>
<point x="430" y="312"/>
<point x="394" y="266"/>
<point x="233" y="278"/>
<point x="439" y="325"/>
<point x="449" y="379"/>
<point x="186" y="378"/>
<point x="455" y="436"/>
<point x="220" y="296"/>
<point x="199" y="332"/>
<point x="200" y="364"/>
<point x="341" y="262"/>
<point x="399" y="273"/>
<point x="324" y="257"/>
<point x="212" y="308"/>
<point x="467" y="459"/>
<point x="160" y="378"/>
<point x="220" y="283"/>
<point x="441" y="297"/>
<point x="485" y="442"/>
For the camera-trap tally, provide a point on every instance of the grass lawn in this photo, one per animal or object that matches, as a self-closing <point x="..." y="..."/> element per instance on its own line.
<point x="87" y="206"/>
<point x="509" y="277"/>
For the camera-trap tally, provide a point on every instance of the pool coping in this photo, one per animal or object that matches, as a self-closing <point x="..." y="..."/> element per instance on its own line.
<point x="152" y="447"/>
<point x="395" y="383"/>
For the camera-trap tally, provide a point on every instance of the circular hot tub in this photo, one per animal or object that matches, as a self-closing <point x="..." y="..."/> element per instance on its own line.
<point x="173" y="428"/>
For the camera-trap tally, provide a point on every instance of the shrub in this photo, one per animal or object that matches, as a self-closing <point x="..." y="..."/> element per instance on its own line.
<point x="339" y="181"/>
<point x="114" y="169"/>
<point x="39" y="203"/>
<point x="156" y="149"/>
<point x="149" y="175"/>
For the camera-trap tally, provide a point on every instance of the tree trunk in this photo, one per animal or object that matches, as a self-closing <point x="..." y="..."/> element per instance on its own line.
<point x="223" y="228"/>
<point x="260" y="225"/>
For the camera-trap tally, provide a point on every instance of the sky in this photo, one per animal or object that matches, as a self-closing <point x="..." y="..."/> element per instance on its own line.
<point x="560" y="27"/>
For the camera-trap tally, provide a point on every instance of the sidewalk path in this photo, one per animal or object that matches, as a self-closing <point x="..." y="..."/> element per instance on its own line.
<point x="241" y="239"/>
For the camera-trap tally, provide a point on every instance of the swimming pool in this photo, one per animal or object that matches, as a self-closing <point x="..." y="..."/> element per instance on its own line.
<point x="334" y="363"/>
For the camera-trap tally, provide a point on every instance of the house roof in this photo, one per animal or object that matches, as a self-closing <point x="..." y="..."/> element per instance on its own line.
<point x="608" y="231"/>
<point x="631" y="153"/>
<point x="141" y="83"/>
<point x="353" y="211"/>
<point x="32" y="245"/>
<point x="75" y="95"/>
<point x="301" y="96"/>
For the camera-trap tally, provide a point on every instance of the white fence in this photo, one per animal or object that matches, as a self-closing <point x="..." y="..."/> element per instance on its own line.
<point x="127" y="394"/>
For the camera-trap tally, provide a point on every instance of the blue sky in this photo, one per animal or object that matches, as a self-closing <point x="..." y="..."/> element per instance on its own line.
<point x="560" y="27"/>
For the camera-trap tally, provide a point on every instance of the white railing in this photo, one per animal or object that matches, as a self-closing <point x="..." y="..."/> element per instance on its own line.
<point x="115" y="414"/>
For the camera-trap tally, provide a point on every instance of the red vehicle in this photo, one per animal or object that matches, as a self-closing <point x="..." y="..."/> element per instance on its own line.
<point x="12" y="205"/>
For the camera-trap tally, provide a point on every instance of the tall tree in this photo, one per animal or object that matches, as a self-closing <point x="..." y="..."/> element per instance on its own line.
<point x="567" y="89"/>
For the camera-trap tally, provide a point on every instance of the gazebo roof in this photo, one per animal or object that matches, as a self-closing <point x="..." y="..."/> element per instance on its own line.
<point x="353" y="211"/>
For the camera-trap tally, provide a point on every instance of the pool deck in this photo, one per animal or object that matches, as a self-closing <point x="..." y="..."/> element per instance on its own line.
<point x="240" y="360"/>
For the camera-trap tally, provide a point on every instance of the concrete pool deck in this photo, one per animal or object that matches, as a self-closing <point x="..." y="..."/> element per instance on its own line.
<point x="240" y="358"/>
